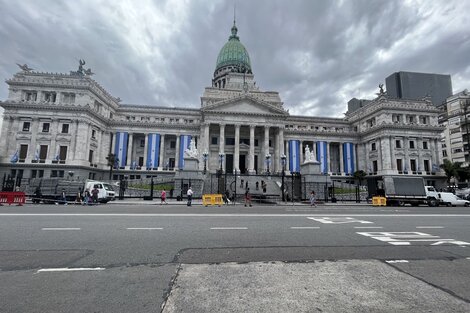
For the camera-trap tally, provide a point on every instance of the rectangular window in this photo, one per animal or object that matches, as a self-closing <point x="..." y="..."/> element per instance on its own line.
<point x="423" y="120"/>
<point x="53" y="173"/>
<point x="141" y="161"/>
<point x="375" y="166"/>
<point x="172" y="144"/>
<point x="214" y="140"/>
<point x="65" y="128"/>
<point x="43" y="153"/>
<point x="26" y="126"/>
<point x="425" y="145"/>
<point x="34" y="173"/>
<point x="62" y="153"/>
<point x="230" y="141"/>
<point x="23" y="152"/>
<point x="413" y="165"/>
<point x="93" y="134"/>
<point x="60" y="173"/>
<point x="398" y="143"/>
<point x="50" y="96"/>
<point x="426" y="166"/>
<point x="40" y="173"/>
<point x="400" y="165"/>
<point x="31" y="95"/>
<point x="412" y="144"/>
<point x="90" y="156"/>
<point x="69" y="98"/>
<point x="142" y="143"/>
<point x="373" y="147"/>
<point x="45" y="127"/>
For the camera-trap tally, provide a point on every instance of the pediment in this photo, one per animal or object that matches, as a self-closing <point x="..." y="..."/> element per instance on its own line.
<point x="245" y="105"/>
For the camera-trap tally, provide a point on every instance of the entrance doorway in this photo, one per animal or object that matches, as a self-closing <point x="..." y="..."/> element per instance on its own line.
<point x="229" y="163"/>
<point x="242" y="163"/>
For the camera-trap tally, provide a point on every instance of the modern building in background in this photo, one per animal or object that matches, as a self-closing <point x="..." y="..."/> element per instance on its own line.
<point x="416" y="86"/>
<point x="455" y="117"/>
<point x="56" y="124"/>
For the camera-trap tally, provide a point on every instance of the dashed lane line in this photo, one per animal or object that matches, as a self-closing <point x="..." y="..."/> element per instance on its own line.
<point x="229" y="228"/>
<point x="429" y="227"/>
<point x="67" y="269"/>
<point x="304" y="227"/>
<point x="61" y="228"/>
<point x="368" y="227"/>
<point x="397" y="261"/>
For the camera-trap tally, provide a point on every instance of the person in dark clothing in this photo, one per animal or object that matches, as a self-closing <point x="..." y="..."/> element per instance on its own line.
<point x="247" y="197"/>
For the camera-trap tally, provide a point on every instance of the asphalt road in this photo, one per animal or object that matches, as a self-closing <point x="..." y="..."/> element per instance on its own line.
<point x="152" y="258"/>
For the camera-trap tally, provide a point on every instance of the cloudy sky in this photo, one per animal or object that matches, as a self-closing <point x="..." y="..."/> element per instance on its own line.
<point x="316" y="54"/>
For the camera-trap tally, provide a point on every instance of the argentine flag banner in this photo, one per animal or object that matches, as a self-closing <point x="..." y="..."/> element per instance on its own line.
<point x="322" y="156"/>
<point x="120" y="149"/>
<point x="153" y="151"/>
<point x="294" y="155"/>
<point x="185" y="140"/>
<point x="14" y="157"/>
<point x="348" y="157"/>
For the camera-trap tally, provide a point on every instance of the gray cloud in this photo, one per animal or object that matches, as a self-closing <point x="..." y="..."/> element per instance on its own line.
<point x="317" y="54"/>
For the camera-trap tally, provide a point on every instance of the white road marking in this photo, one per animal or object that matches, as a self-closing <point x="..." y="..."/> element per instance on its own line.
<point x="304" y="227"/>
<point x="66" y="269"/>
<point x="369" y="227"/>
<point x="468" y="258"/>
<point x="338" y="220"/>
<point x="405" y="238"/>
<point x="430" y="227"/>
<point x="225" y="215"/>
<point x="144" y="228"/>
<point x="226" y="228"/>
<point x="60" y="228"/>
<point x="397" y="261"/>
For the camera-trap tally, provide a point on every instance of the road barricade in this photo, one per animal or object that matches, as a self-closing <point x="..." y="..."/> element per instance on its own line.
<point x="212" y="199"/>
<point x="12" y="198"/>
<point x="379" y="201"/>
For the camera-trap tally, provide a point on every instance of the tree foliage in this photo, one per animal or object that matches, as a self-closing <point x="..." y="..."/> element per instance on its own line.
<point x="451" y="169"/>
<point x="112" y="159"/>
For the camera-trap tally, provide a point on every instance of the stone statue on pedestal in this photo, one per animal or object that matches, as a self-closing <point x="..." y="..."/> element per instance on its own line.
<point x="191" y="152"/>
<point x="308" y="155"/>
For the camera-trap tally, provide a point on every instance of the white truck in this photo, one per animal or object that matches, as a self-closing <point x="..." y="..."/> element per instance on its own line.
<point x="105" y="191"/>
<point x="400" y="190"/>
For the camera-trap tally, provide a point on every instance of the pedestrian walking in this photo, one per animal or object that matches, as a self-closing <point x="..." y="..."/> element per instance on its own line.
<point x="63" y="197"/>
<point x="312" y="199"/>
<point x="163" y="197"/>
<point x="227" y="197"/>
<point x="94" y="194"/>
<point x="78" y="198"/>
<point x="190" y="196"/>
<point x="247" y="197"/>
<point x="86" y="197"/>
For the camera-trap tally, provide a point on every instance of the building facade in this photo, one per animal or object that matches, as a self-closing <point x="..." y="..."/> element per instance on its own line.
<point x="57" y="124"/>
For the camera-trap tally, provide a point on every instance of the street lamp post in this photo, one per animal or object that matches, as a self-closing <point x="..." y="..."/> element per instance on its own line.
<point x="221" y="170"/>
<point x="283" y="163"/>
<point x="205" y="154"/>
<point x="268" y="161"/>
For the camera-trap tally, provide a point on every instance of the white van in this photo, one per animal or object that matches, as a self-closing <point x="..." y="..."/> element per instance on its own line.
<point x="105" y="190"/>
<point x="449" y="199"/>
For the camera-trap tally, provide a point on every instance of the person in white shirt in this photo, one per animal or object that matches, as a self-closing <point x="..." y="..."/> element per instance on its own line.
<point x="190" y="196"/>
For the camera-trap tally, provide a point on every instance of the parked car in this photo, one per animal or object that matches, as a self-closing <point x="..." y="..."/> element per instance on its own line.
<point x="449" y="199"/>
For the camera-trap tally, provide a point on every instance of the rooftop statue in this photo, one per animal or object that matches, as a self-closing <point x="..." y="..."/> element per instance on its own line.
<point x="191" y="152"/>
<point x="81" y="70"/>
<point x="24" y="67"/>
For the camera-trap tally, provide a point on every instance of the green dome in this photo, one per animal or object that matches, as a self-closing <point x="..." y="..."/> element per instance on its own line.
<point x="233" y="54"/>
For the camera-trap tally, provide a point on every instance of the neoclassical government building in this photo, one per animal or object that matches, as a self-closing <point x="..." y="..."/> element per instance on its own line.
<point x="58" y="123"/>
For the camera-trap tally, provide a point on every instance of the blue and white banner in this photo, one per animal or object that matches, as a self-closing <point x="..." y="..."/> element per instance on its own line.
<point x="185" y="140"/>
<point x="36" y="154"/>
<point x="348" y="157"/>
<point x="322" y="156"/>
<point x="153" y="151"/>
<point x="15" y="157"/>
<point x="120" y="149"/>
<point x="294" y="155"/>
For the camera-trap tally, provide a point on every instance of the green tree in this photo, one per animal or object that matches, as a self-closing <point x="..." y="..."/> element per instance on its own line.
<point x="451" y="169"/>
<point x="359" y="176"/>
<point x="112" y="159"/>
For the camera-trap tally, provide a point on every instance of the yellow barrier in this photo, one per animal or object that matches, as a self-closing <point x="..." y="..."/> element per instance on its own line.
<point x="212" y="199"/>
<point x="379" y="201"/>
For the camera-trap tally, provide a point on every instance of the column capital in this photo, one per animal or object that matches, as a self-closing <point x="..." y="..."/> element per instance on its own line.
<point x="252" y="126"/>
<point x="237" y="126"/>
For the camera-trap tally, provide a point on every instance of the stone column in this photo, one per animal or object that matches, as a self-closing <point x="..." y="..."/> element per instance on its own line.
<point x="281" y="142"/>
<point x="266" y="141"/>
<point x="314" y="150"/>
<point x="287" y="156"/>
<point x="406" y="144"/>
<point x="146" y="145"/>
<point x="34" y="133"/>
<point x="251" y="163"/>
<point x="275" y="165"/>
<point x="236" y="156"/>
<point x="161" y="157"/>
<point x="207" y="145"/>
<point x="367" y="166"/>
<point x="302" y="151"/>
<point x="100" y="148"/>
<point x="341" y="158"/>
<point x="222" y="143"/>
<point x="53" y="131"/>
<point x="177" y="152"/>
<point x="420" y="165"/>
<point x="393" y="161"/>
<point x="130" y="149"/>
<point x="328" y="156"/>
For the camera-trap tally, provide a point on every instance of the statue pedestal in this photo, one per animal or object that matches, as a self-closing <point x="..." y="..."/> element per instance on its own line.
<point x="190" y="175"/>
<point x="311" y="173"/>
